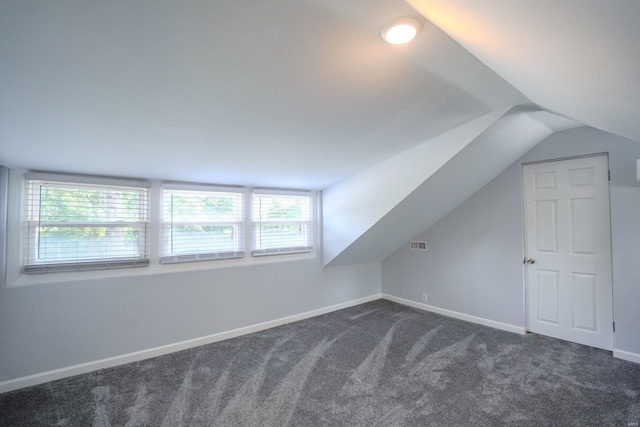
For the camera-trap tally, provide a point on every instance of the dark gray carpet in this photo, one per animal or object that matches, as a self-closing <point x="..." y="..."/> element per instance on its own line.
<point x="375" y="364"/>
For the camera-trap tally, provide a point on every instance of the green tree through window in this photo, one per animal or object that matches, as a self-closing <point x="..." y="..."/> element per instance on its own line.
<point x="201" y="224"/>
<point x="81" y="223"/>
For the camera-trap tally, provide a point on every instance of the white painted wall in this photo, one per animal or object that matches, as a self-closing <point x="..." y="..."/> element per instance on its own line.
<point x="354" y="205"/>
<point x="422" y="185"/>
<point x="4" y="194"/>
<point x="50" y="326"/>
<point x="474" y="262"/>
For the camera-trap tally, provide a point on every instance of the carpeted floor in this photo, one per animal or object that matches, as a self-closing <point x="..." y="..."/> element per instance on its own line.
<point x="377" y="364"/>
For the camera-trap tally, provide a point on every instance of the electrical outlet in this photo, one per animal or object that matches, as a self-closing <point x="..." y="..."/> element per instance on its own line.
<point x="424" y="297"/>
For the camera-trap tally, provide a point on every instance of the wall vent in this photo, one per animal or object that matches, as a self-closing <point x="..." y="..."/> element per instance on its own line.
<point x="418" y="246"/>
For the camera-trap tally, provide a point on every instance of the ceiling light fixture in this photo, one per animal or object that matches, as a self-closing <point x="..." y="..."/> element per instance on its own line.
<point x="400" y="31"/>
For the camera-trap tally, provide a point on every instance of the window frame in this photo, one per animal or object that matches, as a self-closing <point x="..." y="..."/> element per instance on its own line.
<point x="239" y="226"/>
<point x="310" y="223"/>
<point x="31" y="226"/>
<point x="15" y="277"/>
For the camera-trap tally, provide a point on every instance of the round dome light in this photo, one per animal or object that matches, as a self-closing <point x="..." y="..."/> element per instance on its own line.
<point x="401" y="31"/>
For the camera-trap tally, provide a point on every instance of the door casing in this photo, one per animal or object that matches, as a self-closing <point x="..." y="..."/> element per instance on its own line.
<point x="596" y="331"/>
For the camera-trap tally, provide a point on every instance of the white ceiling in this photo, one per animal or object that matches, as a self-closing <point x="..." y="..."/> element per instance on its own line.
<point x="286" y="93"/>
<point x="578" y="58"/>
<point x="293" y="93"/>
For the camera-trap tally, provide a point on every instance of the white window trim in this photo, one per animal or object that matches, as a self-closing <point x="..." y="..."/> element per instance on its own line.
<point x="86" y="179"/>
<point x="212" y="256"/>
<point x="15" y="215"/>
<point x="313" y="223"/>
<point x="30" y="266"/>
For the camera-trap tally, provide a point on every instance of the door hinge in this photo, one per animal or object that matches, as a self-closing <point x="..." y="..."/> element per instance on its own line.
<point x="609" y="174"/>
<point x="614" y="326"/>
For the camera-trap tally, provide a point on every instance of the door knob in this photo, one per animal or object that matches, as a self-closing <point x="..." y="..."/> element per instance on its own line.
<point x="530" y="260"/>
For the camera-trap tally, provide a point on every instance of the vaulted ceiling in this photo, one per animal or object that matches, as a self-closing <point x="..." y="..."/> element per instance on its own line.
<point x="577" y="58"/>
<point x="293" y="93"/>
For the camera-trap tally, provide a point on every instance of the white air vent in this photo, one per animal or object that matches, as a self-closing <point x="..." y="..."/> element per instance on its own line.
<point x="418" y="246"/>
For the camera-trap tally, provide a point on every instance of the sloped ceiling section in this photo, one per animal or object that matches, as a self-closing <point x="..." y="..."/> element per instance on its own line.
<point x="371" y="215"/>
<point x="351" y="207"/>
<point x="578" y="58"/>
<point x="282" y="93"/>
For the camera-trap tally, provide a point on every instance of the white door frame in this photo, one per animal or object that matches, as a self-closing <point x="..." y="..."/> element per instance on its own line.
<point x="524" y="237"/>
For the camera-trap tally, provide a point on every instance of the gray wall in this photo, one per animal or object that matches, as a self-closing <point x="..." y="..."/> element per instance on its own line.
<point x="474" y="262"/>
<point x="50" y="326"/>
<point x="4" y="194"/>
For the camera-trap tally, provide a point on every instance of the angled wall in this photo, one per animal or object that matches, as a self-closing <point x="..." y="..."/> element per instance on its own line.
<point x="473" y="265"/>
<point x="368" y="217"/>
<point x="352" y="206"/>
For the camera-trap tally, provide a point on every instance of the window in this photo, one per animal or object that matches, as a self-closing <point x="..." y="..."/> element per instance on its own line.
<point x="74" y="223"/>
<point x="200" y="225"/>
<point x="84" y="223"/>
<point x="282" y="222"/>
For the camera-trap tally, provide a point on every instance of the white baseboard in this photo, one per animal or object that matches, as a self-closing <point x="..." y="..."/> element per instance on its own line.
<point x="450" y="313"/>
<point x="83" y="368"/>
<point x="626" y="355"/>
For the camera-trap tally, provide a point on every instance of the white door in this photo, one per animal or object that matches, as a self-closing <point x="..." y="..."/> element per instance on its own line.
<point x="568" y="250"/>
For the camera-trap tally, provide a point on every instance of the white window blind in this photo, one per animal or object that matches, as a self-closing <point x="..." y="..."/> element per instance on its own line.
<point x="199" y="225"/>
<point x="72" y="226"/>
<point x="282" y="223"/>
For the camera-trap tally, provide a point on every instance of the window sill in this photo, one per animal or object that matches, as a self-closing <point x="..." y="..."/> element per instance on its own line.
<point x="156" y="269"/>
